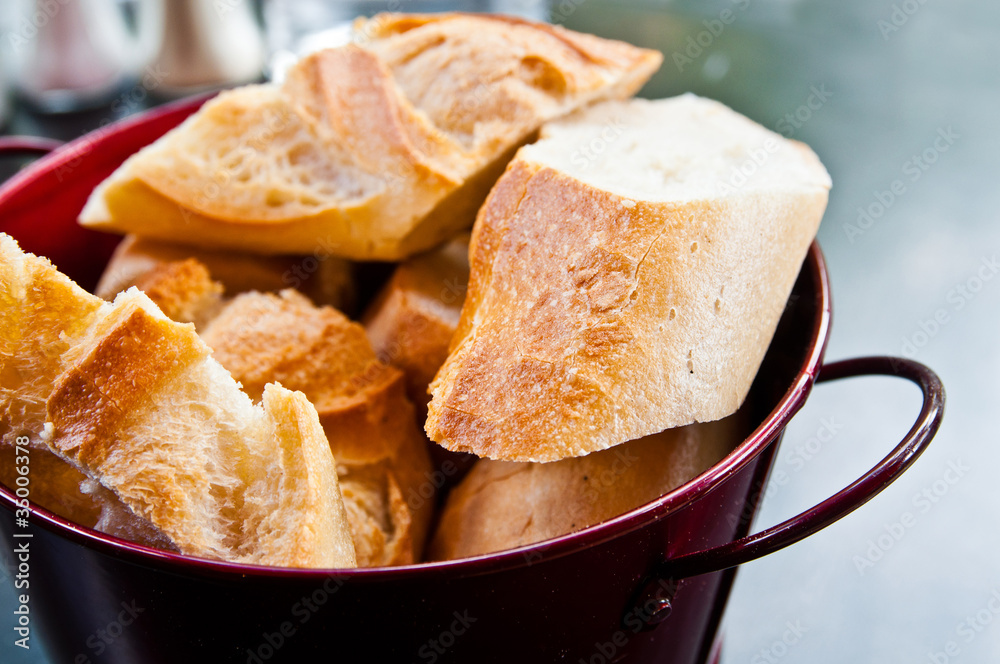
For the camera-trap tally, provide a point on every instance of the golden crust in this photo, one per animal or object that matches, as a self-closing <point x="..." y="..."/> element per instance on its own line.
<point x="261" y="338"/>
<point x="183" y="290"/>
<point x="487" y="81"/>
<point x="385" y="134"/>
<point x="133" y="353"/>
<point x="135" y="410"/>
<point x="593" y="319"/>
<point x="44" y="314"/>
<point x="172" y="453"/>
<point x="323" y="278"/>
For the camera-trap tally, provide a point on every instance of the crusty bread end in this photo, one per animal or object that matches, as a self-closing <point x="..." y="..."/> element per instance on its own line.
<point x="616" y="296"/>
<point x="382" y="458"/>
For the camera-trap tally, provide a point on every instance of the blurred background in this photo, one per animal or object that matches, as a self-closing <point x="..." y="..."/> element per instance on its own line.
<point x="898" y="97"/>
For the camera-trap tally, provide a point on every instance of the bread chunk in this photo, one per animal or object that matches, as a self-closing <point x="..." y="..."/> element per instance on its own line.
<point x="504" y="504"/>
<point x="183" y="290"/>
<point x="143" y="262"/>
<point x="135" y="404"/>
<point x="382" y="458"/>
<point x="412" y="319"/>
<point x="616" y="296"/>
<point x="374" y="151"/>
<point x="43" y="314"/>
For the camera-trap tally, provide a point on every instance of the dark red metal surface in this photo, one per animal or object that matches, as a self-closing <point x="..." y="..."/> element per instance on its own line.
<point x="582" y="597"/>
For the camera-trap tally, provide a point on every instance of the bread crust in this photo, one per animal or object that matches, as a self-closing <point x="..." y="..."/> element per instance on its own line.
<point x="183" y="290"/>
<point x="593" y="319"/>
<point x="502" y="505"/>
<point x="171" y="451"/>
<point x="44" y="314"/>
<point x="131" y="355"/>
<point x="323" y="278"/>
<point x="412" y="319"/>
<point x="263" y="491"/>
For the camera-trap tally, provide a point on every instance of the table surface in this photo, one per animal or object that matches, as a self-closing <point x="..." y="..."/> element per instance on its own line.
<point x="900" y="100"/>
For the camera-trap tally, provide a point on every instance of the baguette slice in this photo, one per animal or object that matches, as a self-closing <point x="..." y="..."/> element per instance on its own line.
<point x="503" y="505"/>
<point x="43" y="314"/>
<point x="412" y="319"/>
<point x="382" y="458"/>
<point x="183" y="290"/>
<point x="616" y="295"/>
<point x="135" y="402"/>
<point x="376" y="150"/>
<point x="142" y="262"/>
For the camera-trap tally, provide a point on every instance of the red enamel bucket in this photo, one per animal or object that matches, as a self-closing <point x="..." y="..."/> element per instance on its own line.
<point x="647" y="586"/>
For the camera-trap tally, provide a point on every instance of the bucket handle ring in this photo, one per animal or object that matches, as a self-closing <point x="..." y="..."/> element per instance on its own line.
<point x="654" y="599"/>
<point x="28" y="145"/>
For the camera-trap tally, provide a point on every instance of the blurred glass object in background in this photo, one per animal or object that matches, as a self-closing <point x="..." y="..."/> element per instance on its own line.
<point x="68" y="55"/>
<point x="4" y="99"/>
<point x="74" y="55"/>
<point x="200" y="45"/>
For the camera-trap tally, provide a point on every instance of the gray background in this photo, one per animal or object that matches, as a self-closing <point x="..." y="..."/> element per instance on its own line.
<point x="888" y="93"/>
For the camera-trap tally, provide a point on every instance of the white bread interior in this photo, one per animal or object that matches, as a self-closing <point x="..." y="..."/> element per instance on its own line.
<point x="616" y="295"/>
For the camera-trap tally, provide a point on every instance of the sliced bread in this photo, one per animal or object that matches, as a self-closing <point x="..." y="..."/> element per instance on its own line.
<point x="375" y="150"/>
<point x="412" y="319"/>
<point x="627" y="275"/>
<point x="504" y="504"/>
<point x="140" y="261"/>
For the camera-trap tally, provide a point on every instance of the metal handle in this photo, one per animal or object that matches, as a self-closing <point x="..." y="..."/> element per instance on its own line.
<point x="830" y="510"/>
<point x="28" y="145"/>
